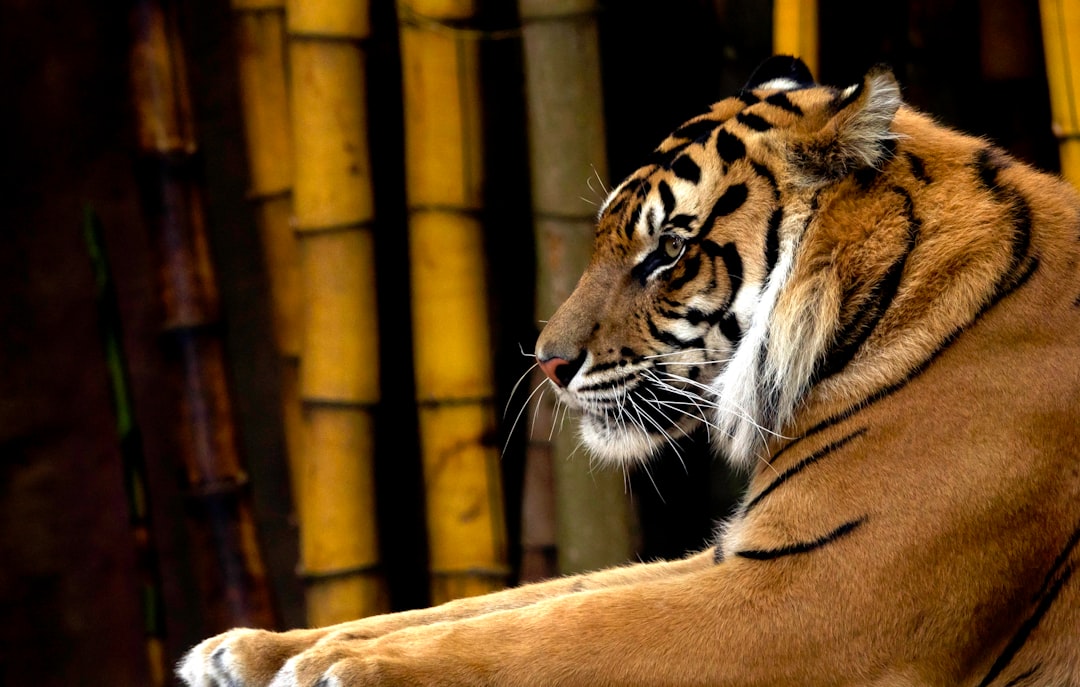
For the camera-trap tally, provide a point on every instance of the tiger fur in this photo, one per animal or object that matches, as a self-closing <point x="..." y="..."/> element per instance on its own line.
<point x="878" y="318"/>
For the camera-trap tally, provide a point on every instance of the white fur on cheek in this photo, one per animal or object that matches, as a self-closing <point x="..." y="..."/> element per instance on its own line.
<point x="741" y="389"/>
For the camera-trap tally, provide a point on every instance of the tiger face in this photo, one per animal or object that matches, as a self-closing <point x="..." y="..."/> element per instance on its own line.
<point x="669" y="328"/>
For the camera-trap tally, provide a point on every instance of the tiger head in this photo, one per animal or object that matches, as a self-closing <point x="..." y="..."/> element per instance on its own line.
<point x="687" y="314"/>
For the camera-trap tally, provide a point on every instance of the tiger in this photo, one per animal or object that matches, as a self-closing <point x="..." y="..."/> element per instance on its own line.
<point x="875" y="316"/>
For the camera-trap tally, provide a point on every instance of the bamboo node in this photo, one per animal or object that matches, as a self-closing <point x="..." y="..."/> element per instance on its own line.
<point x="219" y="487"/>
<point x="1061" y="133"/>
<point x="304" y="35"/>
<point x="332" y="228"/>
<point x="313" y="576"/>
<point x="309" y="402"/>
<point x="457" y="28"/>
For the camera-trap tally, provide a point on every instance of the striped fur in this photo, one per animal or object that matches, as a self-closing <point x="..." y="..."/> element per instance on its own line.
<point x="878" y="318"/>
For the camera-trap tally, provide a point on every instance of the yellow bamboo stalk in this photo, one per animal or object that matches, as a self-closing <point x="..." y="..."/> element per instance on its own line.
<point x="260" y="40"/>
<point x="339" y="370"/>
<point x="452" y="351"/>
<point x="566" y="136"/>
<point x="795" y="30"/>
<point x="1061" y="43"/>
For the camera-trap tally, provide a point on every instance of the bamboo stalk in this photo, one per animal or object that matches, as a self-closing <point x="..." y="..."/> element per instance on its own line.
<point x="1061" y="43"/>
<point x="454" y="378"/>
<point x="566" y="136"/>
<point x="131" y="453"/>
<point x="339" y="370"/>
<point x="795" y="30"/>
<point x="230" y="568"/>
<point x="260" y="39"/>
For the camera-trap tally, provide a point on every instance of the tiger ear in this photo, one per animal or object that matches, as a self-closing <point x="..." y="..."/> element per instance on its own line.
<point x="859" y="133"/>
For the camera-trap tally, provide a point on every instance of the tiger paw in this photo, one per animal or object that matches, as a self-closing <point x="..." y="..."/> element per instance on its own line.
<point x="341" y="659"/>
<point x="243" y="657"/>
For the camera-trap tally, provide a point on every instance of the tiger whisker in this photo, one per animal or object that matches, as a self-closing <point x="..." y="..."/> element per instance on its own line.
<point x="661" y="429"/>
<point x="524" y="406"/>
<point x="517" y="384"/>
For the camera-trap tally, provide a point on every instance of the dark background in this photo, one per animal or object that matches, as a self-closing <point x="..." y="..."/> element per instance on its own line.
<point x="69" y="606"/>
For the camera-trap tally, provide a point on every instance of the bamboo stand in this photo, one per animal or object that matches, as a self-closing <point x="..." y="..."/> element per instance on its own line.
<point x="566" y="135"/>
<point x="231" y="573"/>
<point x="467" y="546"/>
<point x="1061" y="42"/>
<point x="260" y="39"/>
<point x="339" y="371"/>
<point x="795" y="30"/>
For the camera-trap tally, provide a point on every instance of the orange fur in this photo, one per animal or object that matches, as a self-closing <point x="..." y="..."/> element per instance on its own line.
<point x="904" y="384"/>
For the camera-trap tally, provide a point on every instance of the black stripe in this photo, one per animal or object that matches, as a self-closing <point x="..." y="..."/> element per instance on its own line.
<point x="988" y="163"/>
<point x="753" y="121"/>
<point x="1026" y="628"/>
<point x="628" y="228"/>
<point x="652" y="222"/>
<point x="732" y="263"/>
<point x="663" y="158"/>
<point x="865" y="320"/>
<point x="666" y="197"/>
<point x="733" y="199"/>
<point x="604" y="367"/>
<point x="801" y="547"/>
<point x="1059" y="562"/>
<point x="766" y="174"/>
<point x="772" y="240"/>
<point x="730" y="328"/>
<point x="918" y="168"/>
<point x="729" y="146"/>
<point x="780" y="99"/>
<point x="691" y="266"/>
<point x="685" y="168"/>
<point x="1029" y="673"/>
<point x="670" y="339"/>
<point x="696" y="130"/>
<point x="748" y="98"/>
<point x="616" y="205"/>
<point x="800" y="466"/>
<point x="681" y="221"/>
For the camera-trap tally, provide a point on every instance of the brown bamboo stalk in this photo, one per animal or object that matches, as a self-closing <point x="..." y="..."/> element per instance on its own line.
<point x="795" y="30"/>
<point x="453" y="363"/>
<point x="339" y="370"/>
<point x="1061" y="43"/>
<point x="566" y="136"/>
<point x="230" y="568"/>
<point x="260" y="41"/>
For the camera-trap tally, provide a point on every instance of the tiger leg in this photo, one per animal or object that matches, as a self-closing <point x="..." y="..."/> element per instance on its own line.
<point x="722" y="625"/>
<point x="253" y="657"/>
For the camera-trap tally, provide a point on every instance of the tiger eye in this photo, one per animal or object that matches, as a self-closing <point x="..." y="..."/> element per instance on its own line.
<point x="671" y="246"/>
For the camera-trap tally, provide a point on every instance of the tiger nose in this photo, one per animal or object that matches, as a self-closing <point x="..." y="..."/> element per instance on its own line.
<point x="560" y="370"/>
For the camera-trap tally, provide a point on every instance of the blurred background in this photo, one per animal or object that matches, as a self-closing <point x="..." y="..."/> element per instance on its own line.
<point x="153" y="488"/>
